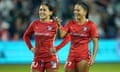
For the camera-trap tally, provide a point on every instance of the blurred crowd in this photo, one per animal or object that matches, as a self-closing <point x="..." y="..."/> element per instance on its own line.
<point x="16" y="15"/>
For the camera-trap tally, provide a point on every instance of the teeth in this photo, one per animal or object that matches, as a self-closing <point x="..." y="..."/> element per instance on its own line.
<point x="41" y="15"/>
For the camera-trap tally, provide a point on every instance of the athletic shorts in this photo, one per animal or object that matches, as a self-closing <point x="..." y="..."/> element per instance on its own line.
<point x="42" y="65"/>
<point x="71" y="62"/>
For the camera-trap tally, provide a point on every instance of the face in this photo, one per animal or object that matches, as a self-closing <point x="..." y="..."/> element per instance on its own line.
<point x="44" y="12"/>
<point x="79" y="11"/>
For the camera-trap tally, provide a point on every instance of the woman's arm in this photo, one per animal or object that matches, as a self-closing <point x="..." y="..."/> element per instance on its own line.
<point x="95" y="47"/>
<point x="26" y="35"/>
<point x="62" y="30"/>
<point x="63" y="43"/>
<point x="94" y="36"/>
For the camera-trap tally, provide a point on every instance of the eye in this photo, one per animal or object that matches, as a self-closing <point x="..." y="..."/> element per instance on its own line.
<point x="42" y="9"/>
<point x="76" y="10"/>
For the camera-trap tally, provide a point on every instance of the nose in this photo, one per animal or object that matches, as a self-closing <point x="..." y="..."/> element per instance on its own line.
<point x="75" y="12"/>
<point x="41" y="11"/>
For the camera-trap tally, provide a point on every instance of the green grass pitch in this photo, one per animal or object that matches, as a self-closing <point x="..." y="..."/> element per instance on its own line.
<point x="104" y="67"/>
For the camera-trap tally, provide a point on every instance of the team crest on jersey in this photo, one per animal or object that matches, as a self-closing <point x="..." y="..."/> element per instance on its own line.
<point x="49" y="28"/>
<point x="84" y="29"/>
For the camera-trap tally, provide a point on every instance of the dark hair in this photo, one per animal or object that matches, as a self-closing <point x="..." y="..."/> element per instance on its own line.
<point x="49" y="7"/>
<point x="85" y="6"/>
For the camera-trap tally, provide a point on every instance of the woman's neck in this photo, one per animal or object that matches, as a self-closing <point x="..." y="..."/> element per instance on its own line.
<point x="45" y="20"/>
<point x="81" y="20"/>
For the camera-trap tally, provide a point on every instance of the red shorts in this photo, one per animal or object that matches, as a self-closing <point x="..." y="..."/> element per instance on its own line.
<point x="72" y="61"/>
<point x="41" y="65"/>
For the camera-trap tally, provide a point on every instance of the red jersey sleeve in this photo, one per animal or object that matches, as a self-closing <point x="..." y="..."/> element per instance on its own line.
<point x="65" y="41"/>
<point x="26" y="35"/>
<point x="67" y="26"/>
<point x="93" y="30"/>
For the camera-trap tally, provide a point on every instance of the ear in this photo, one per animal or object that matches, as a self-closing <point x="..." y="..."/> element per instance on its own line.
<point x="85" y="12"/>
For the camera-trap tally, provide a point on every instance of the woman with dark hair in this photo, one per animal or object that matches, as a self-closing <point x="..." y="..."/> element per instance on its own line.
<point x="81" y="31"/>
<point x="44" y="30"/>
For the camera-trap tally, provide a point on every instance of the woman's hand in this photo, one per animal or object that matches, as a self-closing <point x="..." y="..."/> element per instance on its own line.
<point x="53" y="50"/>
<point x="58" y="20"/>
<point x="33" y="50"/>
<point x="91" y="61"/>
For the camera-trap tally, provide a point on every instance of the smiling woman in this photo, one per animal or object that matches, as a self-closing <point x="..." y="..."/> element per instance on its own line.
<point x="81" y="31"/>
<point x="44" y="30"/>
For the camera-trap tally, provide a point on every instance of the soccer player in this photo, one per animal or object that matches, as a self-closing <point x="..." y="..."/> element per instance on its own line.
<point x="44" y="30"/>
<point x="81" y="31"/>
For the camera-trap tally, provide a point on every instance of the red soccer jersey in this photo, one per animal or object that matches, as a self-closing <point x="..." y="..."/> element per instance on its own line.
<point x="80" y="36"/>
<point x="44" y="34"/>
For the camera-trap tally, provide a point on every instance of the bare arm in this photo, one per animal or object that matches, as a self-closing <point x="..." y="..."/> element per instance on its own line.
<point x="63" y="43"/>
<point x="62" y="32"/>
<point x="94" y="36"/>
<point x="95" y="48"/>
<point x="61" y="29"/>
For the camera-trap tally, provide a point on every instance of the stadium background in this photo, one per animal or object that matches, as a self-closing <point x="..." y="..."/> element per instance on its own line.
<point x="16" y="15"/>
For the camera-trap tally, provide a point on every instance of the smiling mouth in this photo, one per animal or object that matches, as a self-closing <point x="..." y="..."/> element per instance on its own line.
<point x="78" y="15"/>
<point x="42" y="15"/>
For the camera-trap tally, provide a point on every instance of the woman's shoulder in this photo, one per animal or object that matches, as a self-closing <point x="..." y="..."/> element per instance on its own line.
<point x="90" y="22"/>
<point x="34" y="21"/>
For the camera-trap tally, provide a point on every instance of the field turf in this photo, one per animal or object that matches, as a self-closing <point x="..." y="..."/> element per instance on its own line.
<point x="104" y="67"/>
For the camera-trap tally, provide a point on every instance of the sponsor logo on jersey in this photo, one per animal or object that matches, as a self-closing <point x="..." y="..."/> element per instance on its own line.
<point x="45" y="34"/>
<point x="78" y="34"/>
